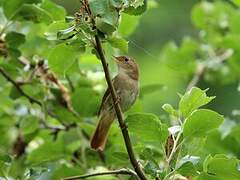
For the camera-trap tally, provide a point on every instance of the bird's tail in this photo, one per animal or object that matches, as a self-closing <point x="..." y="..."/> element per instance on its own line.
<point x="99" y="137"/>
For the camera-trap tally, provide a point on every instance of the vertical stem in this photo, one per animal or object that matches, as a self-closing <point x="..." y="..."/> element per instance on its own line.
<point x="119" y="113"/>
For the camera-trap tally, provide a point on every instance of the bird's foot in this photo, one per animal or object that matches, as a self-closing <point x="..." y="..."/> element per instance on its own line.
<point x="117" y="100"/>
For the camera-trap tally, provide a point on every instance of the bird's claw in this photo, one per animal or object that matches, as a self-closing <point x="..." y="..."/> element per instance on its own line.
<point x="117" y="100"/>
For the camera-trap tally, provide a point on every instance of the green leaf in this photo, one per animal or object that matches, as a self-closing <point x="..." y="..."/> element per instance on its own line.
<point x="49" y="151"/>
<point x="5" y="158"/>
<point x="138" y="8"/>
<point x="119" y="43"/>
<point x="192" y="100"/>
<point x="85" y="101"/>
<point x="156" y="132"/>
<point x="53" y="29"/>
<point x="61" y="58"/>
<point x="205" y="176"/>
<point x="170" y="110"/>
<point x="29" y="124"/>
<point x="151" y="168"/>
<point x="65" y="32"/>
<point x="99" y="7"/>
<point x="223" y="167"/>
<point x="104" y="26"/>
<point x="200" y="122"/>
<point x="14" y="39"/>
<point x="128" y="24"/>
<point x="186" y="165"/>
<point x="11" y="7"/>
<point x="56" y="12"/>
<point x="32" y="12"/>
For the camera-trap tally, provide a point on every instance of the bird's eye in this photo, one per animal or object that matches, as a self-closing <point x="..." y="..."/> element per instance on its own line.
<point x="126" y="59"/>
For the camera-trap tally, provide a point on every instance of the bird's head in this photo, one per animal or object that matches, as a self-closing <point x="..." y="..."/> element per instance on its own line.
<point x="127" y="65"/>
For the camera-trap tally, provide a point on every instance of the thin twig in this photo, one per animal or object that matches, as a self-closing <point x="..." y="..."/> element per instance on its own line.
<point x="114" y="172"/>
<point x="119" y="113"/>
<point x="174" y="149"/>
<point x="55" y="130"/>
<point x="197" y="76"/>
<point x="17" y="86"/>
<point x="202" y="67"/>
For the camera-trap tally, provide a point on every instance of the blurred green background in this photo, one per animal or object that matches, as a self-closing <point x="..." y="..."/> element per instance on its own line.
<point x="169" y="41"/>
<point x="168" y="21"/>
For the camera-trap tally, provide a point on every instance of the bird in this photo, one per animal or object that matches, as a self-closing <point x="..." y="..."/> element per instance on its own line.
<point x="126" y="85"/>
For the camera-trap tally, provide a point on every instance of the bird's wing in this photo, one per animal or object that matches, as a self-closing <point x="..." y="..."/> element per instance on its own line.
<point x="107" y="94"/>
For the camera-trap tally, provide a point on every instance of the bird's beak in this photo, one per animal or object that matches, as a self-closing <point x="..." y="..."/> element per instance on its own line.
<point x="117" y="59"/>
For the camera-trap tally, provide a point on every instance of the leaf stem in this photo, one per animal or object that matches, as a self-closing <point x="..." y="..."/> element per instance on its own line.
<point x="114" y="172"/>
<point x="175" y="147"/>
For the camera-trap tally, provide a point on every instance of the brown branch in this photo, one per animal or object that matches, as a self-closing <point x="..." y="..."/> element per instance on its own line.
<point x="17" y="86"/>
<point x="119" y="113"/>
<point x="123" y="126"/>
<point x="114" y="172"/>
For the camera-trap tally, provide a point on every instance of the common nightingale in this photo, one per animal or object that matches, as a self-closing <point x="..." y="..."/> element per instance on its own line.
<point x="126" y="86"/>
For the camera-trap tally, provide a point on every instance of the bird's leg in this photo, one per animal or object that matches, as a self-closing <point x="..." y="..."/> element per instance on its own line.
<point x="117" y="100"/>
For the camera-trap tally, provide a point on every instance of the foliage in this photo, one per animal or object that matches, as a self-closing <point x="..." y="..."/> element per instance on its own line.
<point x="52" y="83"/>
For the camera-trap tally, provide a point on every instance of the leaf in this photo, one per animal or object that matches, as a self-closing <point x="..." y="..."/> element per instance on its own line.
<point x="155" y="131"/>
<point x="56" y="12"/>
<point x="53" y="30"/>
<point x="67" y="31"/>
<point x="200" y="122"/>
<point x="205" y="176"/>
<point x="99" y="7"/>
<point x="138" y="8"/>
<point x="11" y="7"/>
<point x="5" y="158"/>
<point x="14" y="39"/>
<point x="61" y="58"/>
<point x="128" y="24"/>
<point x="192" y="100"/>
<point x="29" y="125"/>
<point x="223" y="167"/>
<point x="186" y="165"/>
<point x="119" y="43"/>
<point x="49" y="151"/>
<point x="85" y="101"/>
<point x="170" y="110"/>
<point x="151" y="168"/>
<point x="32" y="12"/>
<point x="105" y="26"/>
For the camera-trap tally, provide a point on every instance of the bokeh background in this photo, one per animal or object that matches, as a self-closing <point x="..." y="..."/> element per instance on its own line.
<point x="168" y="22"/>
<point x="170" y="41"/>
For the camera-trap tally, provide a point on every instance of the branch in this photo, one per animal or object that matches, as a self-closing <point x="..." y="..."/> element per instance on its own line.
<point x="197" y="76"/>
<point x="175" y="147"/>
<point x="114" y="172"/>
<point x="201" y="68"/>
<point x="119" y="113"/>
<point x="123" y="126"/>
<point x="55" y="130"/>
<point x="17" y="86"/>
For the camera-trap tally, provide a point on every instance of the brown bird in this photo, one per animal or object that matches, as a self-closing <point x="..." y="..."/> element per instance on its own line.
<point x="126" y="86"/>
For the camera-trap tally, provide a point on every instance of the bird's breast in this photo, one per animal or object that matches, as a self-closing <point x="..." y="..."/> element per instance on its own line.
<point x="127" y="90"/>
